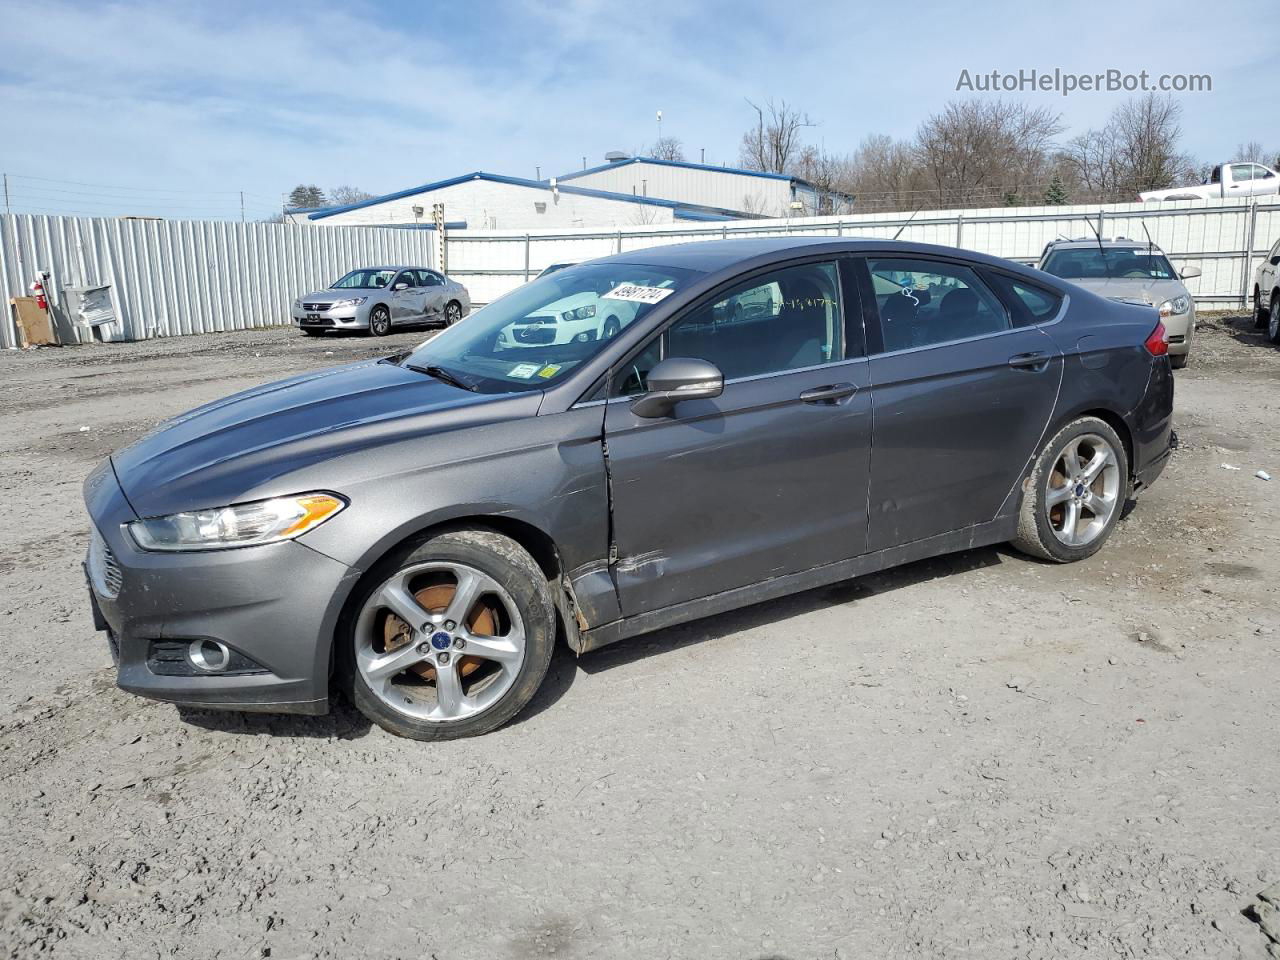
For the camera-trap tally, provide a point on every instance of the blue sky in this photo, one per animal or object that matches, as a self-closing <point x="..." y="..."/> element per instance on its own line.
<point x="173" y="108"/>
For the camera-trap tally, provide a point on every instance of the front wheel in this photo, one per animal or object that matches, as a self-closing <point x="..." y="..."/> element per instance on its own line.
<point x="380" y="321"/>
<point x="1073" y="497"/>
<point x="1260" y="313"/>
<point x="612" y="327"/>
<point x="453" y="637"/>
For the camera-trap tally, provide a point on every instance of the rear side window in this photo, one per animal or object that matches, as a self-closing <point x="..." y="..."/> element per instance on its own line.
<point x="926" y="302"/>
<point x="1031" y="304"/>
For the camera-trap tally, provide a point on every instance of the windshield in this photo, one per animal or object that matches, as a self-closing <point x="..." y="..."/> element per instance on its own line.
<point x="1118" y="263"/>
<point x="364" y="280"/>
<point x="539" y="333"/>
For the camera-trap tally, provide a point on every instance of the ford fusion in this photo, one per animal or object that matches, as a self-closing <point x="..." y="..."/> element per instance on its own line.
<point x="419" y="531"/>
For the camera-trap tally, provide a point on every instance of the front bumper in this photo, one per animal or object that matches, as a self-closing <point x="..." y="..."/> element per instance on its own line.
<point x="338" y="318"/>
<point x="1180" y="330"/>
<point x="276" y="605"/>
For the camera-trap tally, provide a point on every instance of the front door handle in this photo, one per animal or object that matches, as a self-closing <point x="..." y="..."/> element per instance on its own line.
<point x="1029" y="361"/>
<point x="829" y="394"/>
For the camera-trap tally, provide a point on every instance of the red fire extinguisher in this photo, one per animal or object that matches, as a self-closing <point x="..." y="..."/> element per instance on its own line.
<point x="37" y="290"/>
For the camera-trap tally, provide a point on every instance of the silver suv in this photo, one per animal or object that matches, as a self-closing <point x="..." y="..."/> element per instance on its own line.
<point x="1131" y="271"/>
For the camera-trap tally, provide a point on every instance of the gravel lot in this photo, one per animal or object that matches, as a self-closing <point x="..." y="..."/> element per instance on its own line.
<point x="978" y="756"/>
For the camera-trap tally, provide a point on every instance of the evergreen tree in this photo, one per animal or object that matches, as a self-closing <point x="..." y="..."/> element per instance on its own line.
<point x="305" y="196"/>
<point x="1056" y="193"/>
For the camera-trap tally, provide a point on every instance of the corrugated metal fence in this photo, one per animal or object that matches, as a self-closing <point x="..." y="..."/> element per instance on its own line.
<point x="1225" y="239"/>
<point x="175" y="277"/>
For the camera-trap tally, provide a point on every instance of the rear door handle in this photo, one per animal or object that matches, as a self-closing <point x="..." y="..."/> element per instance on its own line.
<point x="1029" y="361"/>
<point x="829" y="394"/>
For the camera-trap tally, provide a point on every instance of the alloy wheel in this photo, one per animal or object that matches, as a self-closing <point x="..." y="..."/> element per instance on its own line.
<point x="452" y="314"/>
<point x="379" y="322"/>
<point x="1084" y="490"/>
<point x="439" y="641"/>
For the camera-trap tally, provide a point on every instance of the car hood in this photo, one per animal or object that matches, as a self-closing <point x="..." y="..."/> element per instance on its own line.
<point x="1153" y="292"/>
<point x="328" y="296"/>
<point x="246" y="446"/>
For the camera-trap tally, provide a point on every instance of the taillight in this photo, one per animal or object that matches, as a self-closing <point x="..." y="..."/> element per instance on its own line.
<point x="1158" y="343"/>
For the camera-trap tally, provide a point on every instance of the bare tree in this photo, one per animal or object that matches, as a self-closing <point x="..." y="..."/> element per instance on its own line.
<point x="1137" y="150"/>
<point x="774" y="144"/>
<point x="341" y="196"/>
<point x="884" y="174"/>
<point x="667" y="148"/>
<point x="978" y="151"/>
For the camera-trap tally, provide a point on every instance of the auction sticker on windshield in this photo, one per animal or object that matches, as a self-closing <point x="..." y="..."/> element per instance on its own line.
<point x="637" y="294"/>
<point x="523" y="371"/>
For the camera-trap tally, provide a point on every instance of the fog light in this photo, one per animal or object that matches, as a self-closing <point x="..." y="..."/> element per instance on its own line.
<point x="211" y="656"/>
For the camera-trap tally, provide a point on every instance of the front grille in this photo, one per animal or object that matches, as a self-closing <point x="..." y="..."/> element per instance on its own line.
<point x="104" y="571"/>
<point x="316" y="307"/>
<point x="535" y="334"/>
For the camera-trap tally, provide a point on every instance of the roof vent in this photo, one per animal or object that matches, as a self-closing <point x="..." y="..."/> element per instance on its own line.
<point x="616" y="156"/>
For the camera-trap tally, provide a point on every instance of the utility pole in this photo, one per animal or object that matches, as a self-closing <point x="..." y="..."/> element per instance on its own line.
<point x="659" y="126"/>
<point x="242" y="206"/>
<point x="6" y="193"/>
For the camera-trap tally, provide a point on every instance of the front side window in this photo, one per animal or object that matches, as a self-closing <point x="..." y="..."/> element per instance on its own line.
<point x="786" y="319"/>
<point x="364" y="280"/>
<point x="1241" y="171"/>
<point x="406" y="277"/>
<point x="539" y="333"/>
<point x="923" y="302"/>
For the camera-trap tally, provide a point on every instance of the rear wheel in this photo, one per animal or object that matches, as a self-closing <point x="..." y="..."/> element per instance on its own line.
<point x="452" y="313"/>
<point x="1178" y="360"/>
<point x="380" y="321"/>
<point x="1073" y="497"/>
<point x="453" y="638"/>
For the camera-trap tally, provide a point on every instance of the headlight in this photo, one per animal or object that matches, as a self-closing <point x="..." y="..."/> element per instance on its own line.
<point x="582" y="313"/>
<point x="350" y="302"/>
<point x="297" y="304"/>
<point x="241" y="525"/>
<point x="1175" y="306"/>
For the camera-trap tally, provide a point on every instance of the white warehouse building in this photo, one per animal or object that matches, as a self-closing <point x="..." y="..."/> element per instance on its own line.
<point x="752" y="193"/>
<point x="490" y="201"/>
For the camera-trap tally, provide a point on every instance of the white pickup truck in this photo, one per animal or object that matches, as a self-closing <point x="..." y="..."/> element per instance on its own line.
<point x="1227" y="180"/>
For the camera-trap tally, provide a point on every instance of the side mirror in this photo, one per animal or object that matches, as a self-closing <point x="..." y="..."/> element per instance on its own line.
<point x="1187" y="273"/>
<point x="401" y="286"/>
<point x="676" y="379"/>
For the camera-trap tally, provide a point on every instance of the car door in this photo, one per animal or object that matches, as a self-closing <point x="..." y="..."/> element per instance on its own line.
<point x="435" y="292"/>
<point x="767" y="479"/>
<point x="1264" y="181"/>
<point x="406" y="304"/>
<point x="963" y="395"/>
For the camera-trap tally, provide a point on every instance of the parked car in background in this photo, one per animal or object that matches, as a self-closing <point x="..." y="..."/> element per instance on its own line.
<point x="380" y="298"/>
<point x="1226" y="180"/>
<point x="1266" y="294"/>
<point x="1123" y="269"/>
<point x="594" y="313"/>
<point x="417" y="529"/>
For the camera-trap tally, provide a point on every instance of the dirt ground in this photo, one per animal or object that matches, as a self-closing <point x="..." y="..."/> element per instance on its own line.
<point x="978" y="756"/>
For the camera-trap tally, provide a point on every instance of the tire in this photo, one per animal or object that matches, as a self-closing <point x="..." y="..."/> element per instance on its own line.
<point x="380" y="321"/>
<point x="1039" y="519"/>
<point x="509" y="612"/>
<point x="452" y="313"/>
<point x="1273" y="322"/>
<point x="1260" y="313"/>
<point x="1178" y="361"/>
<point x="612" y="327"/>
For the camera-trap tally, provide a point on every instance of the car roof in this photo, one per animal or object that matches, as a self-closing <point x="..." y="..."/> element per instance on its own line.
<point x="391" y="266"/>
<point x="1082" y="243"/>
<point x="713" y="256"/>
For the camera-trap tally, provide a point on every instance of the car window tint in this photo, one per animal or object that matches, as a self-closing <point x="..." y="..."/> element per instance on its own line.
<point x="783" y="320"/>
<point x="1039" y="304"/>
<point x="923" y="302"/>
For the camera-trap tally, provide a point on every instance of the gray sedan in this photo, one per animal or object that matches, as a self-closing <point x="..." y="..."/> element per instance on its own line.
<point x="417" y="531"/>
<point x="379" y="298"/>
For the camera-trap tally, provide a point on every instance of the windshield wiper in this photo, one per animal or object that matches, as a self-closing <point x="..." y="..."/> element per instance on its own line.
<point x="440" y="373"/>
